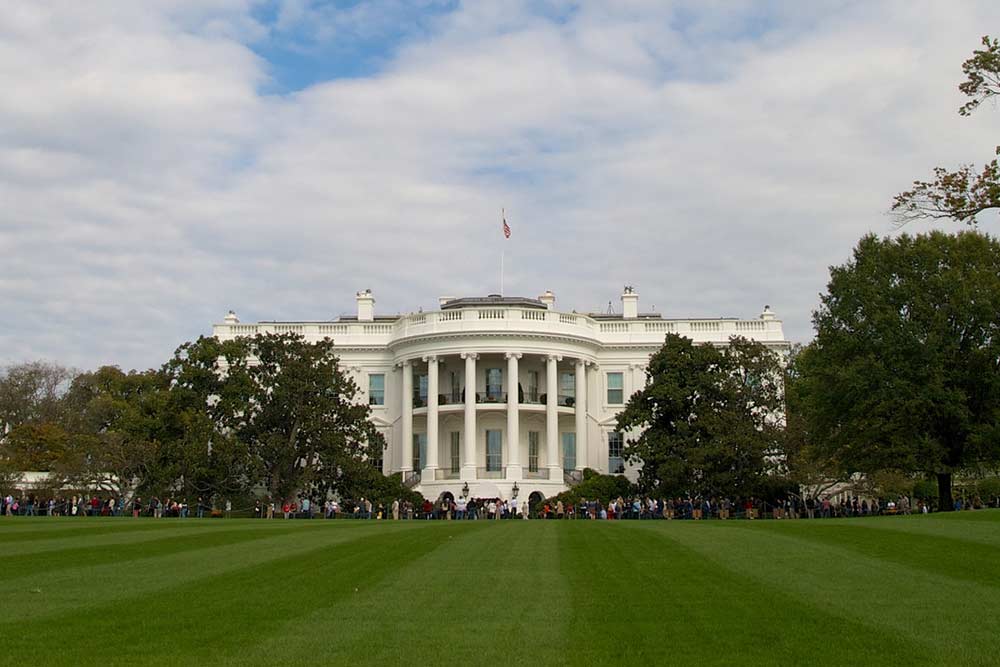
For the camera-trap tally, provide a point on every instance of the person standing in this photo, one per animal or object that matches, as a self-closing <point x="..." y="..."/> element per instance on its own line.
<point x="229" y="508"/>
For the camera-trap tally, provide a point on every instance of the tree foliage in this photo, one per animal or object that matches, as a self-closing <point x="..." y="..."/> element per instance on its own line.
<point x="287" y="402"/>
<point x="221" y="418"/>
<point x="904" y="373"/>
<point x="964" y="193"/>
<point x="32" y="393"/>
<point x="596" y="486"/>
<point x="708" y="421"/>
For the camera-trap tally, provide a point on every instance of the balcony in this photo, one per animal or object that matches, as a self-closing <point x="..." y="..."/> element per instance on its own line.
<point x="532" y="397"/>
<point x="489" y="473"/>
<point x="541" y="473"/>
<point x="491" y="397"/>
<point x="446" y="474"/>
<point x="457" y="398"/>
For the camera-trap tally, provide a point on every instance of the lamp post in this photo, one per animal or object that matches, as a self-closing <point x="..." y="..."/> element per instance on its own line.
<point x="514" y="489"/>
<point x="465" y="490"/>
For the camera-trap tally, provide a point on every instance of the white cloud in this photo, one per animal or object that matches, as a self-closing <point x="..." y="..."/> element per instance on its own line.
<point x="716" y="156"/>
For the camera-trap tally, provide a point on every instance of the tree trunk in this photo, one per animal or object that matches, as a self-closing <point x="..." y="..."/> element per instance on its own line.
<point x="945" y="501"/>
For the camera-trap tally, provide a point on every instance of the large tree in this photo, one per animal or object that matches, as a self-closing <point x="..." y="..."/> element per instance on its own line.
<point x="123" y="424"/>
<point x="904" y="373"/>
<point x="285" y="400"/>
<point x="708" y="421"/>
<point x="32" y="392"/>
<point x="963" y="193"/>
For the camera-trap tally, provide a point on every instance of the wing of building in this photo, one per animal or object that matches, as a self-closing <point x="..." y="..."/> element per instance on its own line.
<point x="449" y="388"/>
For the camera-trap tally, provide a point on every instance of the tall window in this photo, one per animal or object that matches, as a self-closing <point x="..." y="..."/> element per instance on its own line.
<point x="494" y="384"/>
<point x="494" y="451"/>
<point x="616" y="462"/>
<point x="419" y="450"/>
<point x="455" y="449"/>
<point x="376" y="389"/>
<point x="419" y="390"/>
<point x="567" y="388"/>
<point x="616" y="389"/>
<point x="532" y="451"/>
<point x="531" y="396"/>
<point x="569" y="451"/>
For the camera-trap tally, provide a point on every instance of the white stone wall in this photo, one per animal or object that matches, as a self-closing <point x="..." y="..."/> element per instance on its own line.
<point x="605" y="345"/>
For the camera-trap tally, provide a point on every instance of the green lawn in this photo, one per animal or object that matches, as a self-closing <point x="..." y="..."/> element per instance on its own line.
<point x="896" y="590"/>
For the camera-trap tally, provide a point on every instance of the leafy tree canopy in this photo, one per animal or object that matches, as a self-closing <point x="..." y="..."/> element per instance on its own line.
<point x="964" y="193"/>
<point x="708" y="421"/>
<point x="904" y="373"/>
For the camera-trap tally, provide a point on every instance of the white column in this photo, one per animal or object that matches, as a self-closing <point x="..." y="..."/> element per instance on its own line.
<point x="581" y="415"/>
<point x="406" y="405"/>
<point x="552" y="418"/>
<point x="432" y="418"/>
<point x="513" y="418"/>
<point x="469" y="437"/>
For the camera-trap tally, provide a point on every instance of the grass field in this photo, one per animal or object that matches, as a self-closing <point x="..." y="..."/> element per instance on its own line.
<point x="877" y="591"/>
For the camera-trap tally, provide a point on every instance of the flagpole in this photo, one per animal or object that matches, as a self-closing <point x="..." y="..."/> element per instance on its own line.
<point x="503" y="249"/>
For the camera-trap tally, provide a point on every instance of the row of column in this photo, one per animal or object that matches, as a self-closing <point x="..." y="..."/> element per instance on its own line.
<point x="514" y="466"/>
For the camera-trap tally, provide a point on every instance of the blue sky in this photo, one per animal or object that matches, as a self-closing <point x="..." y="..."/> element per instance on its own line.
<point x="331" y="40"/>
<point x="165" y="161"/>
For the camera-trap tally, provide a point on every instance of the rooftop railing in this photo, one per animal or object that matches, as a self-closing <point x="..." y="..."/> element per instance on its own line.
<point x="514" y="319"/>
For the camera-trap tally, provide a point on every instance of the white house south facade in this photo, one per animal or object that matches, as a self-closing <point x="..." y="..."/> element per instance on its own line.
<point x="488" y="393"/>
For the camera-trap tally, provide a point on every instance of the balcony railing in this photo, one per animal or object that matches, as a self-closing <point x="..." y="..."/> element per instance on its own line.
<point x="541" y="473"/>
<point x="566" y="401"/>
<point x="515" y="319"/>
<point x="411" y="478"/>
<point x="491" y="397"/>
<point x="485" y="473"/>
<point x="446" y="474"/>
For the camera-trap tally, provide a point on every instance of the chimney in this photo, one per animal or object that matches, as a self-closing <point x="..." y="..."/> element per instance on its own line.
<point x="630" y="303"/>
<point x="549" y="299"/>
<point x="366" y="306"/>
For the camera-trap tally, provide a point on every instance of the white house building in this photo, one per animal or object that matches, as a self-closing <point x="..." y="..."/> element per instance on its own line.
<point x="488" y="393"/>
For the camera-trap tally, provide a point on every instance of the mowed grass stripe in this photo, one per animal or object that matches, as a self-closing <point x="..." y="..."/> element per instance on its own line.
<point x="947" y="619"/>
<point x="75" y="590"/>
<point x="153" y="546"/>
<point x="124" y="534"/>
<point x="983" y="531"/>
<point x="968" y="561"/>
<point x="490" y="593"/>
<point x="40" y="530"/>
<point x="198" y="622"/>
<point x="641" y="597"/>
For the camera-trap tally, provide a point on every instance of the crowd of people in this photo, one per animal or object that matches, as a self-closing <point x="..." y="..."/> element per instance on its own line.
<point x="93" y="505"/>
<point x="448" y="508"/>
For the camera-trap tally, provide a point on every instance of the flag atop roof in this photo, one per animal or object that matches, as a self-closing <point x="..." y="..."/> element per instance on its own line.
<point x="506" y="227"/>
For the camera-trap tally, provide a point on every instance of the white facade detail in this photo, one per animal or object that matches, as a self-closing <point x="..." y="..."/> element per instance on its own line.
<point x="496" y="391"/>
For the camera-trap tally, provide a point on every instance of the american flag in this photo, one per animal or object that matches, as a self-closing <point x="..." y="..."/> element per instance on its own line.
<point x="506" y="227"/>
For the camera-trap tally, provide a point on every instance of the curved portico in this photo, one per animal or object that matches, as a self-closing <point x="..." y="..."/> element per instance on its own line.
<point x="508" y="417"/>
